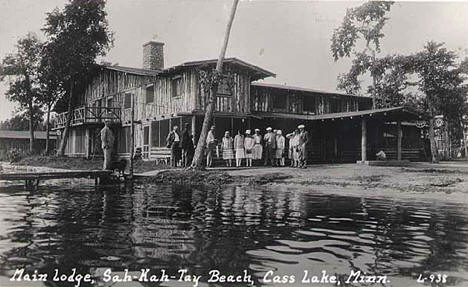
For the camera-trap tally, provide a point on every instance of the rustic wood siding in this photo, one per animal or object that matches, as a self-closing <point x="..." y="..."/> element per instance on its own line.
<point x="263" y="98"/>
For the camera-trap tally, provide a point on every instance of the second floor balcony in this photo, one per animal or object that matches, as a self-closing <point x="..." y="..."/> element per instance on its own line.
<point x="88" y="115"/>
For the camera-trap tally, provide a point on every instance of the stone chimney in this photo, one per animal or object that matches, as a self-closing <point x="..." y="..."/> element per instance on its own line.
<point x="153" y="55"/>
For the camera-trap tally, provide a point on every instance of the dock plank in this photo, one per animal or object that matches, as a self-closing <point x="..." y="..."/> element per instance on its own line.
<point x="55" y="175"/>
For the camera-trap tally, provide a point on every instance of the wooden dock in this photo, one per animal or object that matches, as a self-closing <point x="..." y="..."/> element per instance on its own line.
<point x="32" y="179"/>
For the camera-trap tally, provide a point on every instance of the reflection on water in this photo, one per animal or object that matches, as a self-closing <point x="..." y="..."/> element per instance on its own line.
<point x="234" y="229"/>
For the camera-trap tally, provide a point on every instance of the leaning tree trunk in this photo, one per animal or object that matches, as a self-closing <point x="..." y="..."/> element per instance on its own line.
<point x="197" y="162"/>
<point x="434" y="156"/>
<point x="31" y="127"/>
<point x="64" y="138"/>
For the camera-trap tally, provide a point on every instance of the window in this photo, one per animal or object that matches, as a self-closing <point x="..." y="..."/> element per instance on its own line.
<point x="128" y="101"/>
<point x="335" y="105"/>
<point x="280" y="102"/>
<point x="110" y="102"/>
<point x="177" y="87"/>
<point x="223" y="87"/>
<point x="309" y="104"/>
<point x="149" y="94"/>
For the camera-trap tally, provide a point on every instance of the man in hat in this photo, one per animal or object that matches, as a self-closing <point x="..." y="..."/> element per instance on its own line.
<point x="270" y="146"/>
<point x="173" y="142"/>
<point x="302" y="146"/>
<point x="107" y="142"/>
<point x="210" y="146"/>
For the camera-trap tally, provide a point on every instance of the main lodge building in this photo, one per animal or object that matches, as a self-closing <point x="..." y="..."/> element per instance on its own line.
<point x="340" y="124"/>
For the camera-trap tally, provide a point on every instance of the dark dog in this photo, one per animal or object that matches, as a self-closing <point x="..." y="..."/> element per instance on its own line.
<point x="119" y="166"/>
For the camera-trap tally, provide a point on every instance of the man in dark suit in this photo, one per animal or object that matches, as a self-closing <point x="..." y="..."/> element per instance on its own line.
<point x="173" y="142"/>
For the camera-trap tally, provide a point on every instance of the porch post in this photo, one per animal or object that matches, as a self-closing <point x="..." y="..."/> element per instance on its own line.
<point x="399" y="136"/>
<point x="194" y="121"/>
<point x="87" y="143"/>
<point x="363" y="140"/>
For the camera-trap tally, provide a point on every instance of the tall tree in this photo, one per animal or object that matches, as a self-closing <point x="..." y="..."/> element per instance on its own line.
<point x="51" y="91"/>
<point x="441" y="82"/>
<point x="364" y="22"/>
<point x="21" y="70"/>
<point x="77" y="35"/>
<point x="210" y="83"/>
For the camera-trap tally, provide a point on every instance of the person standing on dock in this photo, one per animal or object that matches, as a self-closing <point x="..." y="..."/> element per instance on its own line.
<point x="107" y="141"/>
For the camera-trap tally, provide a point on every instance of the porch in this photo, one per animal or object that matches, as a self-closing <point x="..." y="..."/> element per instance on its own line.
<point x="88" y="115"/>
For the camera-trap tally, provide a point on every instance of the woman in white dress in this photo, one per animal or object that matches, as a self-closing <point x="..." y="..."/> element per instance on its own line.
<point x="258" y="148"/>
<point x="227" y="146"/>
<point x="239" y="148"/>
<point x="248" y="146"/>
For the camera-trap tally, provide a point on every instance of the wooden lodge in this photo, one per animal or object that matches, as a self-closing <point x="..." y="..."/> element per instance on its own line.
<point x="340" y="124"/>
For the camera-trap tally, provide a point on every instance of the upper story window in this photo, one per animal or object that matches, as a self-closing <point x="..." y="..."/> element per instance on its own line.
<point x="150" y="94"/>
<point x="224" y="88"/>
<point x="280" y="102"/>
<point x="335" y="105"/>
<point x="127" y="101"/>
<point x="176" y="87"/>
<point x="309" y="104"/>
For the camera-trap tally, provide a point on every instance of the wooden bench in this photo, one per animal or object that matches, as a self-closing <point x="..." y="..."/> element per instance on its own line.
<point x="160" y="155"/>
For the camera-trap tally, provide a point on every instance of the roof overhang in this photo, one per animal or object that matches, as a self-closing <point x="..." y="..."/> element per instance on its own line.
<point x="255" y="71"/>
<point x="387" y="114"/>
<point x="302" y="90"/>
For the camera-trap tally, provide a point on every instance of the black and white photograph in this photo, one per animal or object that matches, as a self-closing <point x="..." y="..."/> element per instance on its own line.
<point x="213" y="143"/>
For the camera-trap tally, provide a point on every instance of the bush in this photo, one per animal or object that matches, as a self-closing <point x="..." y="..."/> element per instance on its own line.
<point x="14" y="155"/>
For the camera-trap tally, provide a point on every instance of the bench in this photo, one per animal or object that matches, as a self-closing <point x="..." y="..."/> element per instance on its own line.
<point x="160" y="155"/>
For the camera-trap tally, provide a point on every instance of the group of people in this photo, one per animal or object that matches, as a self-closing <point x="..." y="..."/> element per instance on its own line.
<point x="181" y="145"/>
<point x="272" y="147"/>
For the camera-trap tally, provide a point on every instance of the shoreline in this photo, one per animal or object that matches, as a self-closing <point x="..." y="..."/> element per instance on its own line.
<point x="447" y="181"/>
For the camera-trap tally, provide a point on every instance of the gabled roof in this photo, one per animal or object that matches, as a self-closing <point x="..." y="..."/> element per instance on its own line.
<point x="394" y="113"/>
<point x="135" y="71"/>
<point x="259" y="72"/>
<point x="300" y="89"/>
<point x="24" y="134"/>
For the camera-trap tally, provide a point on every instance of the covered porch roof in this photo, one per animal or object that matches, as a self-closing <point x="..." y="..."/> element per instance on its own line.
<point x="390" y="114"/>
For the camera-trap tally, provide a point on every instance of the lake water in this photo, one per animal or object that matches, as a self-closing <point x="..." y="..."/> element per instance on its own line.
<point x="283" y="231"/>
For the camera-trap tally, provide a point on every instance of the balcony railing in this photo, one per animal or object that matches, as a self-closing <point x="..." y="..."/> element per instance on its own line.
<point x="87" y="115"/>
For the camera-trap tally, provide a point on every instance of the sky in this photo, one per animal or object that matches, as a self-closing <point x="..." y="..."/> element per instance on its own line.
<point x="288" y="38"/>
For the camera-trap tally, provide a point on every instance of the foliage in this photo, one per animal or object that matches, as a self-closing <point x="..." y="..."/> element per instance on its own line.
<point x="77" y="35"/>
<point x="363" y="22"/>
<point x="14" y="155"/>
<point x="441" y="81"/>
<point x="366" y="22"/>
<point x="20" y="121"/>
<point x="21" y="71"/>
